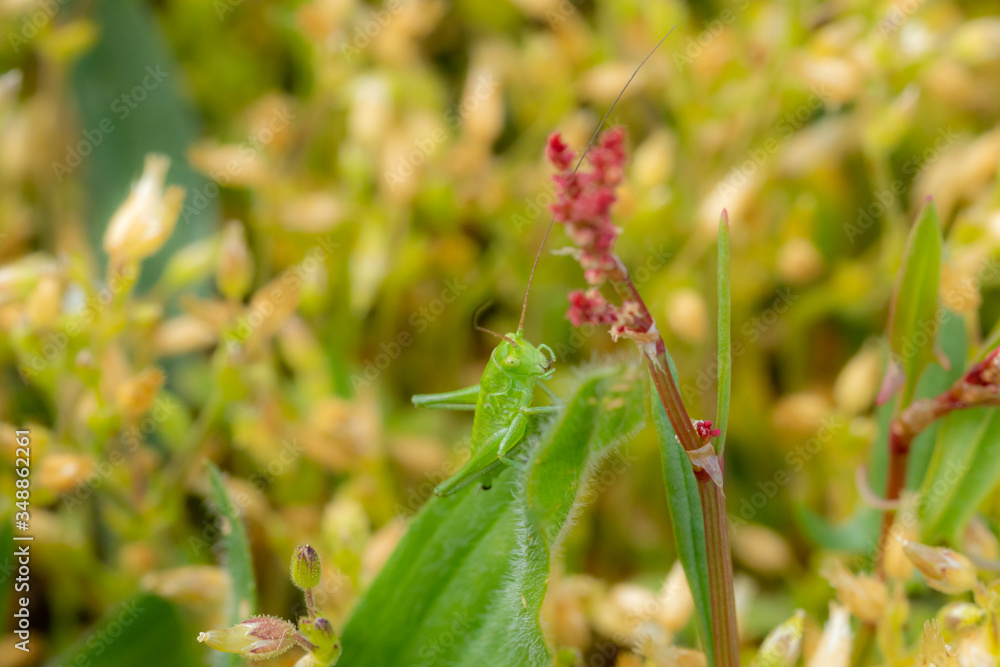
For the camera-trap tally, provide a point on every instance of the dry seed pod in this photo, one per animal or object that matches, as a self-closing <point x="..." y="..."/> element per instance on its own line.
<point x="945" y="570"/>
<point x="676" y="602"/>
<point x="192" y="584"/>
<point x="979" y="541"/>
<point x="761" y="549"/>
<point x="687" y="315"/>
<point x="834" y="647"/>
<point x="782" y="646"/>
<point x="857" y="385"/>
<point x="234" y="271"/>
<point x="62" y="472"/>
<point x="904" y="527"/>
<point x="799" y="261"/>
<point x="864" y="596"/>
<point x="144" y="222"/>
<point x="136" y="394"/>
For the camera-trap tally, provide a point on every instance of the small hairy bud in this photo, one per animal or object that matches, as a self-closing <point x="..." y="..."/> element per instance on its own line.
<point x="256" y="638"/>
<point x="306" y="567"/>
<point x="326" y="647"/>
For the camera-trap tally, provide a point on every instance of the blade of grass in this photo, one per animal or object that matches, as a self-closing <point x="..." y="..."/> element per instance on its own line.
<point x="243" y="603"/>
<point x="725" y="360"/>
<point x="684" y="503"/>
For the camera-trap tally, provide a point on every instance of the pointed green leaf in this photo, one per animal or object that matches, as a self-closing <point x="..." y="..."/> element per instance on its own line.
<point x="146" y="630"/>
<point x="964" y="470"/>
<point x="914" y="311"/>
<point x="243" y="603"/>
<point x="131" y="54"/>
<point x="473" y="567"/>
<point x="725" y="358"/>
<point x="937" y="379"/>
<point x="859" y="533"/>
<point x="686" y="517"/>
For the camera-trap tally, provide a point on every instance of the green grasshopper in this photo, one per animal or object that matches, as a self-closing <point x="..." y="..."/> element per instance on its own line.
<point x="502" y="401"/>
<point x="503" y="398"/>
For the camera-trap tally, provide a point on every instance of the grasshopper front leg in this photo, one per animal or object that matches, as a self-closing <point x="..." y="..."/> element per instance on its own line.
<point x="515" y="432"/>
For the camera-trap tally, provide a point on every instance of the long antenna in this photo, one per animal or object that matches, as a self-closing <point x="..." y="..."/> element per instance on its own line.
<point x="531" y="276"/>
<point x="477" y="327"/>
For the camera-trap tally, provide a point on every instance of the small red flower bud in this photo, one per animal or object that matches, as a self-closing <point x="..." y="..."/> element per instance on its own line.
<point x="558" y="152"/>
<point x="705" y="430"/>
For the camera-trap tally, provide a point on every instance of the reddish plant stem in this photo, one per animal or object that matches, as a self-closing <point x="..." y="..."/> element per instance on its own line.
<point x="978" y="387"/>
<point x="899" y="450"/>
<point x="713" y="500"/>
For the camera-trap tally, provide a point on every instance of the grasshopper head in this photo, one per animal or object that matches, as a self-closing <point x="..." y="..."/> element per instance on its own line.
<point x="518" y="357"/>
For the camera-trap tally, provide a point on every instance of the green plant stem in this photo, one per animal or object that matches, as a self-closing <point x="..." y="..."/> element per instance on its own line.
<point x="713" y="500"/>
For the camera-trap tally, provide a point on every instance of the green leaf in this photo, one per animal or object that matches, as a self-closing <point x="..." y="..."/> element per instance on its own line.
<point x="914" y="311"/>
<point x="859" y="533"/>
<point x="686" y="517"/>
<point x="243" y="603"/>
<point x="725" y="358"/>
<point x="146" y="630"/>
<point x="468" y="579"/>
<point x="937" y="379"/>
<point x="965" y="468"/>
<point x="131" y="83"/>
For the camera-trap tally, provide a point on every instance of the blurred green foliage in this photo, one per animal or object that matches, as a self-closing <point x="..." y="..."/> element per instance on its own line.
<point x="385" y="162"/>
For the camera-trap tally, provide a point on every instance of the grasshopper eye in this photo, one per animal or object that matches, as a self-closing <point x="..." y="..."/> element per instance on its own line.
<point x="511" y="362"/>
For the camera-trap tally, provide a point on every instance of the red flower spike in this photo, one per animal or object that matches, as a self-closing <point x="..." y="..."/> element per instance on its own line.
<point x="589" y="307"/>
<point x="558" y="153"/>
<point x="584" y="200"/>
